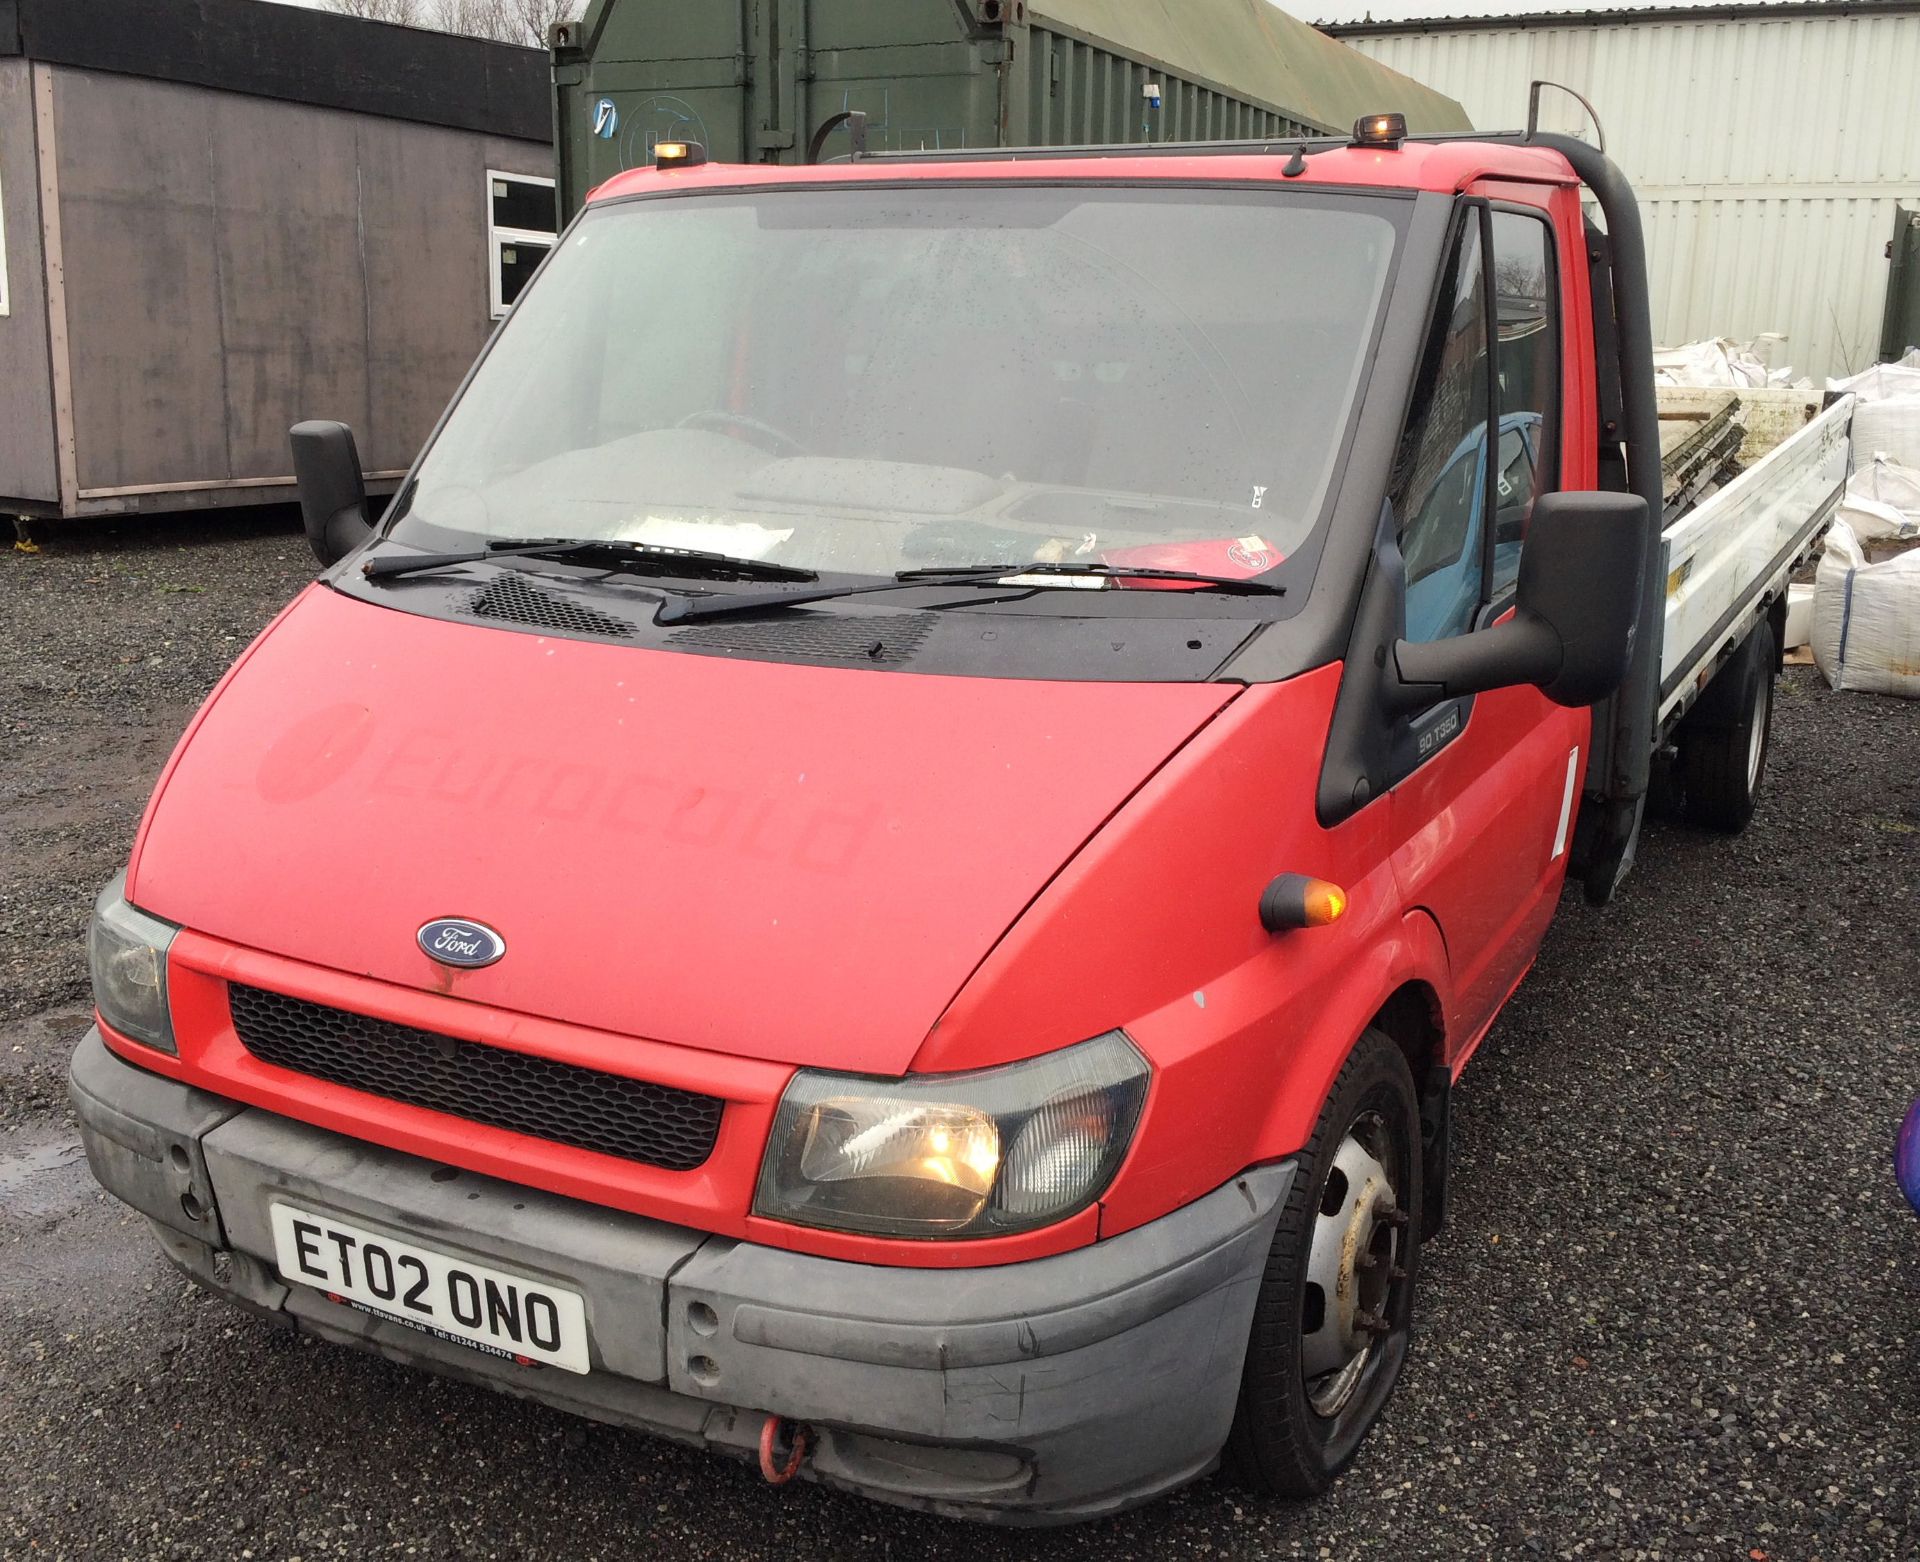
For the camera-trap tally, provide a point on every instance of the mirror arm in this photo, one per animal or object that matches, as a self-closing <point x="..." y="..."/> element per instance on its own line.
<point x="1524" y="649"/>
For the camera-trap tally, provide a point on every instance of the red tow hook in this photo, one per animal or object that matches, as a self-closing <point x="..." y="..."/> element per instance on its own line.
<point x="783" y="1449"/>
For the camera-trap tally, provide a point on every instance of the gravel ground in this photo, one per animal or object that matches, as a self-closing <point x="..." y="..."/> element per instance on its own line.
<point x="1674" y="1314"/>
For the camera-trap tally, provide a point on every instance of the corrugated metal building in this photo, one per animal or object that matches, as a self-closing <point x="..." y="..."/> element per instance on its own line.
<point x="218" y="217"/>
<point x="1770" y="146"/>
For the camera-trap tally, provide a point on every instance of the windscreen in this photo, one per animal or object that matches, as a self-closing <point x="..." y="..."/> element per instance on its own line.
<point x="872" y="379"/>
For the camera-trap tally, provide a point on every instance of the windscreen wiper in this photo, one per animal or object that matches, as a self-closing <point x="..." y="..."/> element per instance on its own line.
<point x="1030" y="576"/>
<point x="611" y="552"/>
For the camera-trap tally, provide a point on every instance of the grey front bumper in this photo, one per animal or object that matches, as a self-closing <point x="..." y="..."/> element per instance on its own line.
<point x="1044" y="1392"/>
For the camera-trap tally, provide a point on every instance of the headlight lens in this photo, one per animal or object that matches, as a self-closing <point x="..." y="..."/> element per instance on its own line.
<point x="954" y="1155"/>
<point x="127" y="951"/>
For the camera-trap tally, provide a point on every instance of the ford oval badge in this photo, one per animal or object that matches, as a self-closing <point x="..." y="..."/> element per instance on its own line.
<point x="456" y="941"/>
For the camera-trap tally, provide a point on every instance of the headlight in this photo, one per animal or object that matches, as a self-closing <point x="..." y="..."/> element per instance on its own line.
<point x="954" y="1155"/>
<point x="127" y="951"/>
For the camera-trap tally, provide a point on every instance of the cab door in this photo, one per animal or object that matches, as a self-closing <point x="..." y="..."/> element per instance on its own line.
<point x="1480" y="821"/>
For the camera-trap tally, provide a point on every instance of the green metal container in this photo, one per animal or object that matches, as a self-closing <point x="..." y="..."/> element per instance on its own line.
<point x="751" y="80"/>
<point x="1900" y="325"/>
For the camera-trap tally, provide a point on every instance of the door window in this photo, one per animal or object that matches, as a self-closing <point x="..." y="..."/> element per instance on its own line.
<point x="1527" y="382"/>
<point x="1515" y="481"/>
<point x="1441" y="471"/>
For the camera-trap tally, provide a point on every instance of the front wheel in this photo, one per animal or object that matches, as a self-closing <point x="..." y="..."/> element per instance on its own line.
<point x="1335" y="1310"/>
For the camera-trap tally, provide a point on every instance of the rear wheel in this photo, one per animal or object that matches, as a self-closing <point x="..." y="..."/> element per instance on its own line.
<point x="1331" y="1325"/>
<point x="1723" y="744"/>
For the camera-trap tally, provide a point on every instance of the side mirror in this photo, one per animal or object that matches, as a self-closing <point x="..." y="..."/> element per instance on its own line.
<point x="1572" y="631"/>
<point x="333" y="498"/>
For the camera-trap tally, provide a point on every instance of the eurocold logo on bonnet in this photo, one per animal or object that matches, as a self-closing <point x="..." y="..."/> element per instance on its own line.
<point x="457" y="941"/>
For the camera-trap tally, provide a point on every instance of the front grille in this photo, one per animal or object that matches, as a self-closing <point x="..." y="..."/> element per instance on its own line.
<point x="512" y="600"/>
<point x="653" y="1124"/>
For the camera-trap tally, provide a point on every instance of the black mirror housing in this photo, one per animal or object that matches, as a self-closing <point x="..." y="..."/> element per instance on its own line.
<point x="1577" y="607"/>
<point x="333" y="496"/>
<point x="1583" y="572"/>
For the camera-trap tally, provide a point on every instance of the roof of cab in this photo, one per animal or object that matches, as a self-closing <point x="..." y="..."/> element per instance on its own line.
<point x="1443" y="166"/>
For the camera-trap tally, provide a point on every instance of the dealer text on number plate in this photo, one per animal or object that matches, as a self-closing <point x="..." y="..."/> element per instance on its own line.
<point x="471" y="1304"/>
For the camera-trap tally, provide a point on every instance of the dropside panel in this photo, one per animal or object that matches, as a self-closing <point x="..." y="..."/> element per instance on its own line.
<point x="1722" y="558"/>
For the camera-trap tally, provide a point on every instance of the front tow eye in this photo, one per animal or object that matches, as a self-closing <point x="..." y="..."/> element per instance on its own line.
<point x="783" y="1449"/>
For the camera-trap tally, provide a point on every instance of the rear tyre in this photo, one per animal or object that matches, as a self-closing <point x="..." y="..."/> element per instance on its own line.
<point x="1335" y="1310"/>
<point x="1723" y="744"/>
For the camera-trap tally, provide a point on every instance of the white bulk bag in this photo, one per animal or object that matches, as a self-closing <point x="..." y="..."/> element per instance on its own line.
<point x="1871" y="521"/>
<point x="1716" y="362"/>
<point x="1884" y="381"/>
<point x="1888" y="482"/>
<point x="1889" y="428"/>
<point x="1866" y="618"/>
<point x="1886" y="416"/>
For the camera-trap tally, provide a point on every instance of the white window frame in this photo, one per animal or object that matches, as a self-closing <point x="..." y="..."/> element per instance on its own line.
<point x="498" y="238"/>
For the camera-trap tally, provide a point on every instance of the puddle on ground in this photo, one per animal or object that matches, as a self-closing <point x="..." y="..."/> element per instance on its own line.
<point x="70" y="1258"/>
<point x="41" y="1176"/>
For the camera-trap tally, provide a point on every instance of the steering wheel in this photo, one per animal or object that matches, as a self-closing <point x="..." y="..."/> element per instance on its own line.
<point x="741" y="426"/>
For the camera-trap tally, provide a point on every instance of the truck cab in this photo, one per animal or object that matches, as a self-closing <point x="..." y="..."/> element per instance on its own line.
<point x="887" y="857"/>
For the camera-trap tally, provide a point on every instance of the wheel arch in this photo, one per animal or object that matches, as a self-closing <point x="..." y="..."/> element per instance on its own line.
<point x="1401" y="986"/>
<point x="1413" y="1017"/>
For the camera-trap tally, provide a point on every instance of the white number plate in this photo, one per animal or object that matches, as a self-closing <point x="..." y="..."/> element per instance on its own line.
<point x="492" y="1311"/>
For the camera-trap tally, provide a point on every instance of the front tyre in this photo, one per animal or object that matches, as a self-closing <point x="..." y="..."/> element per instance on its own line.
<point x="1335" y="1310"/>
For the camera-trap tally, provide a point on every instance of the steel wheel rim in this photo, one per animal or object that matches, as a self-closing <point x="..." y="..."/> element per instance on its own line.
<point x="1757" y="733"/>
<point x="1353" y="1267"/>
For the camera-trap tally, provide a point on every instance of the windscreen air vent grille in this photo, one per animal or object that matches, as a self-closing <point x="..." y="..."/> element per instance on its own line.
<point x="517" y="602"/>
<point x="881" y="641"/>
<point x="656" y="1125"/>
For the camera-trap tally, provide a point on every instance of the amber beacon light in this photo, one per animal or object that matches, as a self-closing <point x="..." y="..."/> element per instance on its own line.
<point x="1382" y="130"/>
<point x="678" y="154"/>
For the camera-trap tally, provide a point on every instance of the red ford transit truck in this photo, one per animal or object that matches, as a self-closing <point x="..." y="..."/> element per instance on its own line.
<point x="886" y="859"/>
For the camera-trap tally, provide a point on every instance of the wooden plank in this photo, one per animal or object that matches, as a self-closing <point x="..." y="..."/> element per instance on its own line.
<point x="135" y="219"/>
<point x="288" y="239"/>
<point x="424" y="196"/>
<point x="53" y="255"/>
<point x="29" y="462"/>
